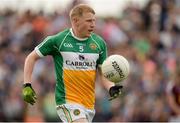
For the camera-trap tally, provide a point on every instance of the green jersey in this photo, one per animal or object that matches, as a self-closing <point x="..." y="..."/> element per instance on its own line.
<point x="76" y="61"/>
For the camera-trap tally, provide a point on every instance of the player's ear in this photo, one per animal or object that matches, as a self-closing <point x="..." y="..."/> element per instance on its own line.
<point x="75" y="20"/>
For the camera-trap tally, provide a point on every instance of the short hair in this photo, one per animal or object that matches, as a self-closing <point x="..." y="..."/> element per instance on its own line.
<point x="79" y="9"/>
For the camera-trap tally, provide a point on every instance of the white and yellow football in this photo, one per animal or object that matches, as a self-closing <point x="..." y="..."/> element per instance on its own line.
<point x="115" y="68"/>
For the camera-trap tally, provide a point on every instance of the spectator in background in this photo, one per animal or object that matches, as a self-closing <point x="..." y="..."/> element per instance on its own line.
<point x="173" y="96"/>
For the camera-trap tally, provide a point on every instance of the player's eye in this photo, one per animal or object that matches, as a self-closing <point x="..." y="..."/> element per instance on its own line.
<point x="90" y="20"/>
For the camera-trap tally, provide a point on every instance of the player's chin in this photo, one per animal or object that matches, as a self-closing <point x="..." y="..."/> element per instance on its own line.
<point x="88" y="34"/>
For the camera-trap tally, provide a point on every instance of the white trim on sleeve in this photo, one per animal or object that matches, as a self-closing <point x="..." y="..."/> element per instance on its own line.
<point x="38" y="52"/>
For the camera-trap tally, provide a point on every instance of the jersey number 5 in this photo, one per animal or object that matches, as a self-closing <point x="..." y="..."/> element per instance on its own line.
<point x="81" y="48"/>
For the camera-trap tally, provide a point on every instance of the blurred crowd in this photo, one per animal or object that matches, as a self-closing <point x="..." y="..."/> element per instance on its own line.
<point x="148" y="37"/>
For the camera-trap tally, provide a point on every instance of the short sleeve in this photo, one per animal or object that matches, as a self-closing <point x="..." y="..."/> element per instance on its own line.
<point x="103" y="53"/>
<point x="46" y="47"/>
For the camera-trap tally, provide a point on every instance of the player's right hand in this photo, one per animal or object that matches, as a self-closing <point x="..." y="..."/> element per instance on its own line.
<point x="29" y="94"/>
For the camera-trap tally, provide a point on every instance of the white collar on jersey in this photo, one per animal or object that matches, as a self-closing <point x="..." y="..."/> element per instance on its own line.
<point x="81" y="39"/>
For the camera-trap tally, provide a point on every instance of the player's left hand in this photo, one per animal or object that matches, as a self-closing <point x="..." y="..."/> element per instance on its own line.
<point x="115" y="91"/>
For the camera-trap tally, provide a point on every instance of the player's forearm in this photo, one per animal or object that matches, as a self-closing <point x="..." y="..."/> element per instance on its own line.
<point x="106" y="83"/>
<point x="28" y="66"/>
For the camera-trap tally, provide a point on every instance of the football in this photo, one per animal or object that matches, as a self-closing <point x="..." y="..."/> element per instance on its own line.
<point x="115" y="68"/>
